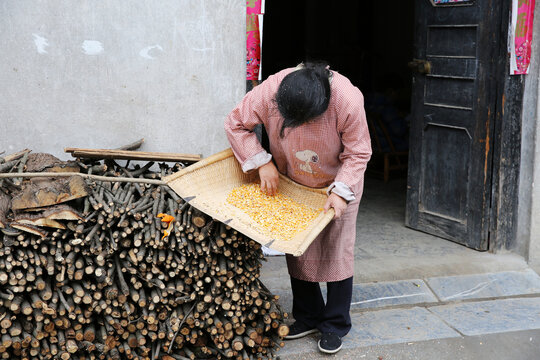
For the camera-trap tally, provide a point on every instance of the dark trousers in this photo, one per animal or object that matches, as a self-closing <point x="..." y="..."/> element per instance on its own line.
<point x="309" y="307"/>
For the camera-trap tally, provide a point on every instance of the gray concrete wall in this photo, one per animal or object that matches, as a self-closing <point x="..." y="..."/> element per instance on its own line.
<point x="101" y="74"/>
<point x="529" y="194"/>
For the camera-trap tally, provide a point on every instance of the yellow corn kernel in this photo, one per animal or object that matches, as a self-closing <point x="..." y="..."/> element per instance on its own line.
<point x="279" y="214"/>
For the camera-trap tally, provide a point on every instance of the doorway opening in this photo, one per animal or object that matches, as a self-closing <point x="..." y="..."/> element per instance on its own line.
<point x="370" y="42"/>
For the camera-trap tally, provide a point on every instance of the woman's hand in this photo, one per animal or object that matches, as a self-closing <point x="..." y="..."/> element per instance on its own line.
<point x="269" y="176"/>
<point x="337" y="202"/>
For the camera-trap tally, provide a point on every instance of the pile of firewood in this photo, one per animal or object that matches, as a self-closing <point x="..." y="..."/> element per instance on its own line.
<point x="94" y="268"/>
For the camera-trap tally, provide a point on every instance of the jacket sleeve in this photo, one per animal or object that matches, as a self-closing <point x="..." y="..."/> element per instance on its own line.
<point x="354" y="133"/>
<point x="239" y="125"/>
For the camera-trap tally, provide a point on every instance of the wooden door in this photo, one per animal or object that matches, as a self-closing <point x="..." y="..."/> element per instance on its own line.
<point x="454" y="95"/>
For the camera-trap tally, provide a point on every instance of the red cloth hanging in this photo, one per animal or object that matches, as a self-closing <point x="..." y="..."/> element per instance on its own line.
<point x="253" y="39"/>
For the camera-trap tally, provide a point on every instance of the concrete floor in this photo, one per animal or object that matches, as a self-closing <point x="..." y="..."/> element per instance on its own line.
<point x="480" y="305"/>
<point x="386" y="250"/>
<point x="519" y="345"/>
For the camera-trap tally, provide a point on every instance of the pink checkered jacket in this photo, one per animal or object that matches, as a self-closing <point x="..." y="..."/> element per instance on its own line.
<point x="331" y="150"/>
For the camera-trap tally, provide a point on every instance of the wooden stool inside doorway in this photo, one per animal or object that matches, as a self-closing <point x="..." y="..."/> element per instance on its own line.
<point x="392" y="159"/>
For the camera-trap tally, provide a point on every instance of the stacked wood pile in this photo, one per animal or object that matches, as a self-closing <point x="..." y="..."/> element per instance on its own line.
<point x="89" y="271"/>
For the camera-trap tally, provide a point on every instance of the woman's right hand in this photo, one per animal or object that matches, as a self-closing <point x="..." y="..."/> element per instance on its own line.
<point x="269" y="176"/>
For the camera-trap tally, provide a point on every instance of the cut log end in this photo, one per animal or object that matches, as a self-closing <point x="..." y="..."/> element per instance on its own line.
<point x="283" y="330"/>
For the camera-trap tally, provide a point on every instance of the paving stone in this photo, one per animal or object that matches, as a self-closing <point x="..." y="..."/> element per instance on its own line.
<point x="500" y="284"/>
<point x="377" y="295"/>
<point x="397" y="325"/>
<point x="493" y="316"/>
<point x="381" y="327"/>
<point x="388" y="293"/>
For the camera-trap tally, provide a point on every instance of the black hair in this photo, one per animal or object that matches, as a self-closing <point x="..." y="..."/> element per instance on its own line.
<point x="303" y="94"/>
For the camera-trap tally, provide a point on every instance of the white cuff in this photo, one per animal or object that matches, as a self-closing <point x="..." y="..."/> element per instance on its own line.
<point x="256" y="161"/>
<point x="341" y="189"/>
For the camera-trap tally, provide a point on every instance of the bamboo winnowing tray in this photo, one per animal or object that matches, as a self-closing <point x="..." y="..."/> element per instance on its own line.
<point x="206" y="184"/>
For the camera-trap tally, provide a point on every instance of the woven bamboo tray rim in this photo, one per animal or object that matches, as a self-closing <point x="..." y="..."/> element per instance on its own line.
<point x="206" y="185"/>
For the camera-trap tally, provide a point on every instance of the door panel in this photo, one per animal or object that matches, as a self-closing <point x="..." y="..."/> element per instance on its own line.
<point x="453" y="68"/>
<point x="446" y="172"/>
<point x="449" y="92"/>
<point x="442" y="40"/>
<point x="449" y="182"/>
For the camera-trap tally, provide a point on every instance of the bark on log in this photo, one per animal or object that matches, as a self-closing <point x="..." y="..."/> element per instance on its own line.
<point x="45" y="193"/>
<point x="29" y="229"/>
<point x="14" y="156"/>
<point x="39" y="162"/>
<point x="37" y="220"/>
<point x="5" y="206"/>
<point x="132" y="146"/>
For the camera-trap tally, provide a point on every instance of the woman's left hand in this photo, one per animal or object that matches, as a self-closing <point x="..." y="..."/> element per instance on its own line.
<point x="337" y="202"/>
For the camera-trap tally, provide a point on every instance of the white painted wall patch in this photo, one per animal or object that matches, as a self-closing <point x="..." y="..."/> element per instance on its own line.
<point x="145" y="52"/>
<point x="41" y="43"/>
<point x="92" y="47"/>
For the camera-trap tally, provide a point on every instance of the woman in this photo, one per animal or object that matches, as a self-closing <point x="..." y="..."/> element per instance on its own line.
<point x="318" y="135"/>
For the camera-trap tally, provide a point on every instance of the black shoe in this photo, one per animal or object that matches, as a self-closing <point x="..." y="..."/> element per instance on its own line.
<point x="330" y="343"/>
<point x="298" y="330"/>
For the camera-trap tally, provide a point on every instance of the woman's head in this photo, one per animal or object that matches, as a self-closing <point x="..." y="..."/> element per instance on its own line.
<point x="303" y="95"/>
